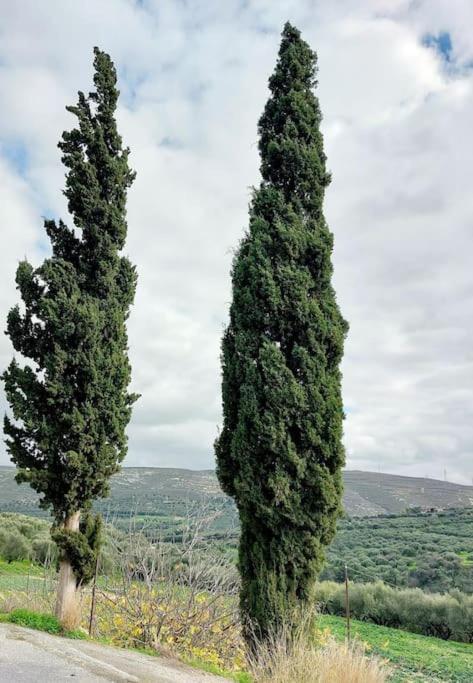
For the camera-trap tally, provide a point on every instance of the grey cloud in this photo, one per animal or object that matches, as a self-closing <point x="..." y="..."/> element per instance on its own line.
<point x="399" y="146"/>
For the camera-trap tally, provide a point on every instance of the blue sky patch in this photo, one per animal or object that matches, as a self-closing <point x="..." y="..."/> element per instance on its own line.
<point x="441" y="43"/>
<point x="16" y="154"/>
<point x="443" y="46"/>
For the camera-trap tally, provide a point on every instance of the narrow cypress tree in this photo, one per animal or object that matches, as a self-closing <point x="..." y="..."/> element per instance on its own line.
<point x="280" y="451"/>
<point x="71" y="406"/>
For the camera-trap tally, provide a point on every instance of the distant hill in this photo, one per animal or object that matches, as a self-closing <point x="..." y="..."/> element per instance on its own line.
<point x="166" y="492"/>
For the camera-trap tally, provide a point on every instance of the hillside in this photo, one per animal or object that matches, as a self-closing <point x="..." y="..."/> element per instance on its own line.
<point x="167" y="492"/>
<point x="414" y="658"/>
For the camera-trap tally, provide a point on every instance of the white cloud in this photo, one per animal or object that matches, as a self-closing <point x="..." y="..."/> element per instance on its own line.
<point x="193" y="79"/>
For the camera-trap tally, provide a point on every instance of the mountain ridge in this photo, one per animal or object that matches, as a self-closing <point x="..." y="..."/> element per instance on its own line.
<point x="161" y="490"/>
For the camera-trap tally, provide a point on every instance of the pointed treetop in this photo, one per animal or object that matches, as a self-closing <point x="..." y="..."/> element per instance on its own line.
<point x="297" y="63"/>
<point x="291" y="144"/>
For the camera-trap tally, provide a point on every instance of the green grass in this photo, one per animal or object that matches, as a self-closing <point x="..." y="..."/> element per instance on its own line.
<point x="20" y="575"/>
<point x="39" y="622"/>
<point x="20" y="567"/>
<point x="239" y="676"/>
<point x="415" y="657"/>
<point x="466" y="558"/>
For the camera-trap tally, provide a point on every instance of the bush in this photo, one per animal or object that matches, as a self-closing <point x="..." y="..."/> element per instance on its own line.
<point x="449" y="616"/>
<point x="24" y="538"/>
<point x="13" y="547"/>
<point x="40" y="622"/>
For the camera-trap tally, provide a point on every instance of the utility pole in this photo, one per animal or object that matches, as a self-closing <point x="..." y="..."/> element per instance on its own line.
<point x="347" y="603"/>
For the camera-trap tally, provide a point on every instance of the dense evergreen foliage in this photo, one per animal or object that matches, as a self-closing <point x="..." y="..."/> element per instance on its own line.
<point x="280" y="451"/>
<point x="71" y="405"/>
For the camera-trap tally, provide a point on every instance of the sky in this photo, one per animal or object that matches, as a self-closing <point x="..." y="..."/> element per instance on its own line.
<point x="396" y="91"/>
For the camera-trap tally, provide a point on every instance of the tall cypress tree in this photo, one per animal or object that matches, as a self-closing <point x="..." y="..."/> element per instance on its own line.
<point x="280" y="451"/>
<point x="71" y="405"/>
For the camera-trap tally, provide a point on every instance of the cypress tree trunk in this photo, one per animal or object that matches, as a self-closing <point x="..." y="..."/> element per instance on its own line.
<point x="280" y="451"/>
<point x="67" y="607"/>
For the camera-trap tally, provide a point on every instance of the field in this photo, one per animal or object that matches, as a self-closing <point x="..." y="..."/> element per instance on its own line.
<point x="432" y="551"/>
<point x="404" y="531"/>
<point x="414" y="658"/>
<point x="429" y="550"/>
<point x="435" y="548"/>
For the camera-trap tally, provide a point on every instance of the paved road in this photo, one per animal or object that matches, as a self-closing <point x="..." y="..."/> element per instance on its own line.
<point x="28" y="656"/>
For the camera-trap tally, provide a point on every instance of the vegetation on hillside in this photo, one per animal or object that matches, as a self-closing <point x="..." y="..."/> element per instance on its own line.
<point x="414" y="658"/>
<point x="449" y="616"/>
<point x="432" y="551"/>
<point x="133" y="556"/>
<point x="167" y="492"/>
<point x="25" y="538"/>
<point x="181" y="597"/>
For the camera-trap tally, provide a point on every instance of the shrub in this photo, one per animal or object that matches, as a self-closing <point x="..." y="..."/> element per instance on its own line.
<point x="40" y="622"/>
<point x="13" y="547"/>
<point x="449" y="616"/>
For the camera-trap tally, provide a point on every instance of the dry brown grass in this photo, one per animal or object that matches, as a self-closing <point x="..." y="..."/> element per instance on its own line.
<point x="71" y="616"/>
<point x="300" y="661"/>
<point x="34" y="601"/>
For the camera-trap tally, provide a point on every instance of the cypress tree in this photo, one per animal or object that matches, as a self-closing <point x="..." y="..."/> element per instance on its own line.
<point x="280" y="453"/>
<point x="70" y="404"/>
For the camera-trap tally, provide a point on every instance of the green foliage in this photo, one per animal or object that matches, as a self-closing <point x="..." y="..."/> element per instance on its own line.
<point x="34" y="535"/>
<point x="25" y="538"/>
<point x="40" y="622"/>
<point x="14" y="547"/>
<point x="449" y="616"/>
<point x="81" y="547"/>
<point x="280" y="451"/>
<point x="71" y="405"/>
<point x="430" y="550"/>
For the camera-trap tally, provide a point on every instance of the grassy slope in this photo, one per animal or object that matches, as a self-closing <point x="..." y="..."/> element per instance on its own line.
<point x="416" y="658"/>
<point x="19" y="576"/>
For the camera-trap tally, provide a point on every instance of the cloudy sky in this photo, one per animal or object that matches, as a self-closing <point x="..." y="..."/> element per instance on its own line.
<point x="396" y="89"/>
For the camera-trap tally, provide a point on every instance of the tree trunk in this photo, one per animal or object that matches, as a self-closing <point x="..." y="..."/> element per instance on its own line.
<point x="67" y="604"/>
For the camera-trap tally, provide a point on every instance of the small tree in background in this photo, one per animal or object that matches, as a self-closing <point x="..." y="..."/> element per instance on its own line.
<point x="280" y="452"/>
<point x="71" y="406"/>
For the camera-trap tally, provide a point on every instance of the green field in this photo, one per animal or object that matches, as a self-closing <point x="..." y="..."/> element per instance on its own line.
<point x="414" y="658"/>
<point x="20" y="576"/>
<point x="432" y="551"/>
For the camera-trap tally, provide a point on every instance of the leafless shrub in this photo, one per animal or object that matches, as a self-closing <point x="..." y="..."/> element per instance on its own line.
<point x="174" y="595"/>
